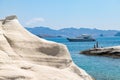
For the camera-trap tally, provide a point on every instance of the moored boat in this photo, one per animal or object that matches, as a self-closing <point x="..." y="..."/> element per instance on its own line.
<point x="82" y="38"/>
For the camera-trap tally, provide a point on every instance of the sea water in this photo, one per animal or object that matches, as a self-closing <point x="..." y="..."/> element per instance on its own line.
<point x="101" y="68"/>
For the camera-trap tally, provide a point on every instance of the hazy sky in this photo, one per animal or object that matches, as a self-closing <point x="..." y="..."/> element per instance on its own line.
<point x="101" y="14"/>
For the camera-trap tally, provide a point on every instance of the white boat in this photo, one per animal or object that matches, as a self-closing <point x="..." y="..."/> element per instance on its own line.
<point x="82" y="38"/>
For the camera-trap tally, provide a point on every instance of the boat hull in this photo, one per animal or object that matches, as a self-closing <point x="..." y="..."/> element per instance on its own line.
<point x="80" y="40"/>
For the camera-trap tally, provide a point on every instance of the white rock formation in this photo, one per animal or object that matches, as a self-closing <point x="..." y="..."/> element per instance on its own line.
<point x="24" y="56"/>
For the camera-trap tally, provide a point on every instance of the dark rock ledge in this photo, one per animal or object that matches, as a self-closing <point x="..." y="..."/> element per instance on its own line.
<point x="107" y="51"/>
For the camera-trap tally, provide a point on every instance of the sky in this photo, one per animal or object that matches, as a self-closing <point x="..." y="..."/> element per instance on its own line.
<point x="57" y="14"/>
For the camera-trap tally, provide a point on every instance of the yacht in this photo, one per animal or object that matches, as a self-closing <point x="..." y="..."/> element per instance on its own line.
<point x="82" y="38"/>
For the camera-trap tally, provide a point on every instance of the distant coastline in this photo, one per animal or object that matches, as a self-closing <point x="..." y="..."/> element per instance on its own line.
<point x="71" y="32"/>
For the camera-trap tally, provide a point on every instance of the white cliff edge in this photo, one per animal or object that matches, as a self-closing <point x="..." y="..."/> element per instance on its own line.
<point x="24" y="56"/>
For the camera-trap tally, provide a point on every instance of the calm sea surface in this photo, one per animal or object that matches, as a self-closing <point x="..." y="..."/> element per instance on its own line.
<point x="101" y="68"/>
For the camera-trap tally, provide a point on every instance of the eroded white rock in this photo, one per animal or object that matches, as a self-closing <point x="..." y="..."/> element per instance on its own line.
<point x="24" y="56"/>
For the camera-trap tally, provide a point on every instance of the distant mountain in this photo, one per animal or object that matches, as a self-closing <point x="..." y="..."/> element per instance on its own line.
<point x="71" y="32"/>
<point x="42" y="30"/>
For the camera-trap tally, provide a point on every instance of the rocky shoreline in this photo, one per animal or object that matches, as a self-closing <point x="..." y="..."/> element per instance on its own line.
<point x="106" y="51"/>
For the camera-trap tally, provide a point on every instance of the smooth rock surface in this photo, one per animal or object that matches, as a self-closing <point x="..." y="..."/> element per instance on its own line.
<point x="24" y="56"/>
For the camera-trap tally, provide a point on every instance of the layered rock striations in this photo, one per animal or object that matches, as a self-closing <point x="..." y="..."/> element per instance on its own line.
<point x="24" y="56"/>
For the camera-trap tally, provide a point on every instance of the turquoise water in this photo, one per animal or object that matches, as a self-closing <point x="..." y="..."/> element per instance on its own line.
<point x="101" y="68"/>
